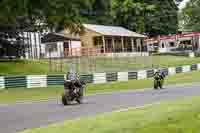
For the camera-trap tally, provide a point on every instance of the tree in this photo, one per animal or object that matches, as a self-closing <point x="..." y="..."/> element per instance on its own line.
<point x="163" y="20"/>
<point x="130" y="13"/>
<point x="55" y="13"/>
<point x="98" y="12"/>
<point x="153" y="17"/>
<point x="21" y="16"/>
<point x="190" y="16"/>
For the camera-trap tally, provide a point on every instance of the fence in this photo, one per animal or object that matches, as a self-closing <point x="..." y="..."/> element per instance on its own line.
<point x="86" y="60"/>
<point x="34" y="81"/>
<point x="77" y="52"/>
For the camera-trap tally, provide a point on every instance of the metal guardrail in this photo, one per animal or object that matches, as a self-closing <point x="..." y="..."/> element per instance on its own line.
<point x="34" y="81"/>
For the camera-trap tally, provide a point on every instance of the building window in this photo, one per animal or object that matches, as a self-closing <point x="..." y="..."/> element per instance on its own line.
<point x="51" y="47"/>
<point x="66" y="45"/>
<point x="163" y="45"/>
<point x="172" y="44"/>
<point x="95" y="41"/>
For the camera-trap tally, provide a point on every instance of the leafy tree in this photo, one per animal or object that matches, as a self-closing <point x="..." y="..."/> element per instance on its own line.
<point x="163" y="20"/>
<point x="98" y="12"/>
<point x="55" y="13"/>
<point x="130" y="13"/>
<point x="153" y="17"/>
<point x="24" y="15"/>
<point x="190" y="16"/>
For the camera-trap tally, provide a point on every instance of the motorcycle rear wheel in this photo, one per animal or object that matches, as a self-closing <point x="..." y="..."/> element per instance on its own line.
<point x="80" y="100"/>
<point x="64" y="100"/>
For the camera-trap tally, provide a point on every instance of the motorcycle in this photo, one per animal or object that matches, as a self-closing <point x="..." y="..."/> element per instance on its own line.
<point x="73" y="91"/>
<point x="159" y="80"/>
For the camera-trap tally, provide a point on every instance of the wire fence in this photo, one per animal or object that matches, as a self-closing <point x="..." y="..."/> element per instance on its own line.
<point x="90" y="60"/>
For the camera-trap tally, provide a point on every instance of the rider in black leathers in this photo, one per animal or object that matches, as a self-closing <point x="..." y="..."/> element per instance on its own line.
<point x="159" y="76"/>
<point x="76" y="83"/>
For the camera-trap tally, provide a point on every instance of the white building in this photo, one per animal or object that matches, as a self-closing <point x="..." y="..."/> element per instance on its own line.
<point x="34" y="48"/>
<point x="58" y="45"/>
<point x="164" y="44"/>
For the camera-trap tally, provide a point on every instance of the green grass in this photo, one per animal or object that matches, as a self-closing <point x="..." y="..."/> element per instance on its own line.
<point x="23" y="67"/>
<point x="182" y="116"/>
<point x="134" y="63"/>
<point x="85" y="65"/>
<point x="24" y="94"/>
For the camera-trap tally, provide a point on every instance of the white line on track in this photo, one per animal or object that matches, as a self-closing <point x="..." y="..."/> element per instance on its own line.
<point x="137" y="107"/>
<point x="115" y="111"/>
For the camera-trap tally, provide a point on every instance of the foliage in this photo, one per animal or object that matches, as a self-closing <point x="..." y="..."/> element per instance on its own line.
<point x="36" y="15"/>
<point x="98" y="12"/>
<point x="128" y="13"/>
<point x="56" y="13"/>
<point x="190" y="16"/>
<point x="163" y="20"/>
<point x="144" y="16"/>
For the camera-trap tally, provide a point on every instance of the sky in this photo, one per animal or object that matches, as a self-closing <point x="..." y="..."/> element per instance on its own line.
<point x="183" y="4"/>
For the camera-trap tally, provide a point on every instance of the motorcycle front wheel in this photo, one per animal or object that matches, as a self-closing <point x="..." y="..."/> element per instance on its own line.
<point x="64" y="100"/>
<point x="155" y="84"/>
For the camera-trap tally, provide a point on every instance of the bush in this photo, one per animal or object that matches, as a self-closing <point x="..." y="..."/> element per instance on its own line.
<point x="173" y="54"/>
<point x="197" y="54"/>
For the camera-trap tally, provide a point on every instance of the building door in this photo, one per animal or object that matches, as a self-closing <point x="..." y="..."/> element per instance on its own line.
<point x="66" y="48"/>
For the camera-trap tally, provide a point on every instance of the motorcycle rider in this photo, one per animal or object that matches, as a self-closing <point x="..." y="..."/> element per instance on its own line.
<point x="159" y="75"/>
<point x="73" y="88"/>
<point x="76" y="84"/>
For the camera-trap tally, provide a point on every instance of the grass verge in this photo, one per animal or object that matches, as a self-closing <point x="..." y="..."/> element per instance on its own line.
<point x="24" y="94"/>
<point x="85" y="65"/>
<point x="181" y="116"/>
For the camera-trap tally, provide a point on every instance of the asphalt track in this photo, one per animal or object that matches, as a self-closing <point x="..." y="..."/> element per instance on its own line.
<point x="15" y="118"/>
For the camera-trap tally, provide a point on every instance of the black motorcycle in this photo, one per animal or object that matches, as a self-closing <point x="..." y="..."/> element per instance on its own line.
<point x="159" y="80"/>
<point x="73" y="91"/>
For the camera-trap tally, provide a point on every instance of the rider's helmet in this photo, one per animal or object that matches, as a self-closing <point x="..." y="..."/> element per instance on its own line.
<point x="156" y="71"/>
<point x="161" y="73"/>
<point x="71" y="76"/>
